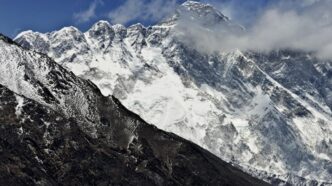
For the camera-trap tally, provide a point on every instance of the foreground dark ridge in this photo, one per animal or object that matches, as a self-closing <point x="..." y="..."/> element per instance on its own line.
<point x="47" y="138"/>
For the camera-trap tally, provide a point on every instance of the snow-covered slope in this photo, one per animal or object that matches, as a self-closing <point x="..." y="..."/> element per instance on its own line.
<point x="58" y="129"/>
<point x="269" y="113"/>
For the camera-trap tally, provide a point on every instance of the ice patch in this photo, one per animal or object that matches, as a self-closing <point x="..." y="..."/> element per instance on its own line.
<point x="19" y="106"/>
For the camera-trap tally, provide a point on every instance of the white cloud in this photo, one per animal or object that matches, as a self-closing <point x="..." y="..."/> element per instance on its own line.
<point x="307" y="29"/>
<point x="143" y="10"/>
<point x="88" y="14"/>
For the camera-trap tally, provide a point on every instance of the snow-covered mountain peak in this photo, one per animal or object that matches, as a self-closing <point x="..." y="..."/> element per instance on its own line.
<point x="262" y="111"/>
<point x="101" y="26"/>
<point x="199" y="7"/>
<point x="100" y="34"/>
<point x="70" y="34"/>
<point x="136" y="31"/>
<point x="67" y="31"/>
<point x="195" y="11"/>
<point x="25" y="33"/>
<point x="200" y="10"/>
<point x="29" y="38"/>
<point x="136" y="27"/>
<point x="119" y="28"/>
<point x="196" y="15"/>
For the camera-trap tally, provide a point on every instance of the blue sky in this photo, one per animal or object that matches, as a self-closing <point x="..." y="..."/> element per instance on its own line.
<point x="49" y="15"/>
<point x="45" y="15"/>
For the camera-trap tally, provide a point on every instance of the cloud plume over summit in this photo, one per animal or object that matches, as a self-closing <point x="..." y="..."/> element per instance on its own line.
<point x="301" y="25"/>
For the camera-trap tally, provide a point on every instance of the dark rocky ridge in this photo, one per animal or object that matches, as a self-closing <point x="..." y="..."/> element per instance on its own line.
<point x="40" y="145"/>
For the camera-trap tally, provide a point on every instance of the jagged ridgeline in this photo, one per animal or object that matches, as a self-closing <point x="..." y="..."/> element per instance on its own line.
<point x="58" y="129"/>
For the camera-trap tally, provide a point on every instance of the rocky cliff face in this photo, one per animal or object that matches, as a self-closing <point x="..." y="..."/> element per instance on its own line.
<point x="57" y="128"/>
<point x="270" y="113"/>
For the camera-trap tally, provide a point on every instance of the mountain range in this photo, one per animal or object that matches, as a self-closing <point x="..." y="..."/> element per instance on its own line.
<point x="269" y="113"/>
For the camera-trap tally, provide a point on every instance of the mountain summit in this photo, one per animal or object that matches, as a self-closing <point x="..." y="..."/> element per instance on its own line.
<point x="204" y="12"/>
